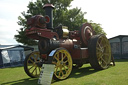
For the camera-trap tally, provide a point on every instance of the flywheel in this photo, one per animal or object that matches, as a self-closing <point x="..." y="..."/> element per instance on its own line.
<point x="86" y="32"/>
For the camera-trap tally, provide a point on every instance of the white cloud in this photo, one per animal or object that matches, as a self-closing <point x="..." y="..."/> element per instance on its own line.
<point x="9" y="12"/>
<point x="111" y="14"/>
<point x="7" y="31"/>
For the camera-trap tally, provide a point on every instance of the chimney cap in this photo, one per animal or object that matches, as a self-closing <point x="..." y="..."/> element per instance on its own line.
<point x="48" y="5"/>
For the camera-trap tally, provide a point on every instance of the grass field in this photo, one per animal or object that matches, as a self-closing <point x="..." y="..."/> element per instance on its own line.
<point x="115" y="75"/>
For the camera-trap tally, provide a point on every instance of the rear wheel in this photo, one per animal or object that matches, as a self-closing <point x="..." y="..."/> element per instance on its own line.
<point x="99" y="52"/>
<point x="63" y="64"/>
<point x="32" y="64"/>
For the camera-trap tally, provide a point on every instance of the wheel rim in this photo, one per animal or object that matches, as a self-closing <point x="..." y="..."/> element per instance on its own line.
<point x="103" y="52"/>
<point x="34" y="64"/>
<point x="63" y="64"/>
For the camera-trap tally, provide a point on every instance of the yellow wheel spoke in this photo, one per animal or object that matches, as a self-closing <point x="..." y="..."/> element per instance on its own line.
<point x="99" y="57"/>
<point x="62" y="56"/>
<point x="34" y="58"/>
<point x="103" y="61"/>
<point x="97" y="48"/>
<point x="34" y="70"/>
<point x="65" y="69"/>
<point x="99" y="54"/>
<point x="31" y="60"/>
<point x="65" y="61"/>
<point x="57" y="55"/>
<point x="56" y="58"/>
<point x="31" y="67"/>
<point x="99" y="45"/>
<point x="38" y="57"/>
<point x="106" y="54"/>
<point x="60" y="71"/>
<point x="66" y="66"/>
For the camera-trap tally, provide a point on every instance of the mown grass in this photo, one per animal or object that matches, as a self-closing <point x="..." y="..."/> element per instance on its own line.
<point x="115" y="75"/>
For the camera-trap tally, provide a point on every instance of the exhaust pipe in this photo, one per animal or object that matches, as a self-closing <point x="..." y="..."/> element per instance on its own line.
<point x="49" y="12"/>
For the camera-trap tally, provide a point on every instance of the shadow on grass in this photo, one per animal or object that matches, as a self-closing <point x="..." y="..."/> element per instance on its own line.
<point x="27" y="81"/>
<point x="12" y="67"/>
<point x="80" y="72"/>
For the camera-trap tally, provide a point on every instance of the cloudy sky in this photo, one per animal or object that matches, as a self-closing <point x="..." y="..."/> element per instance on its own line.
<point x="111" y="14"/>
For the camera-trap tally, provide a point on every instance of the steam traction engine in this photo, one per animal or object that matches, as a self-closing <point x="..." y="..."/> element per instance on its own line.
<point x="64" y="48"/>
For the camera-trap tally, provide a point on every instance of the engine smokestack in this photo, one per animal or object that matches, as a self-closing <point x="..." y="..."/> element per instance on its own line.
<point x="49" y="12"/>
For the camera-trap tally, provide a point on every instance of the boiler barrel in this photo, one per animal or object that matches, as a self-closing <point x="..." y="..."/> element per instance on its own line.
<point x="46" y="45"/>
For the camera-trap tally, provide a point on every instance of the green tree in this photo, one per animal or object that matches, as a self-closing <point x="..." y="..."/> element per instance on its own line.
<point x="73" y="18"/>
<point x="97" y="28"/>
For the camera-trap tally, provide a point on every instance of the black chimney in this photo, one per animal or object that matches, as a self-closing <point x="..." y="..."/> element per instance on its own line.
<point x="49" y="12"/>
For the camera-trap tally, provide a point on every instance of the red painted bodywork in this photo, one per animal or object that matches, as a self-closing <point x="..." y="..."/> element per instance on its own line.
<point x="37" y="33"/>
<point x="76" y="53"/>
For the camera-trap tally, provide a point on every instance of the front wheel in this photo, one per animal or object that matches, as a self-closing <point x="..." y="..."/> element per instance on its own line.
<point x="99" y="52"/>
<point x="32" y="64"/>
<point x="63" y="64"/>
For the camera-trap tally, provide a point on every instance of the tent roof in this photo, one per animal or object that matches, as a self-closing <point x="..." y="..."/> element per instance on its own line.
<point x="118" y="36"/>
<point x="4" y="47"/>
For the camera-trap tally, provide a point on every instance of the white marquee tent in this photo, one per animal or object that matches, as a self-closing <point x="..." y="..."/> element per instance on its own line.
<point x="12" y="55"/>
